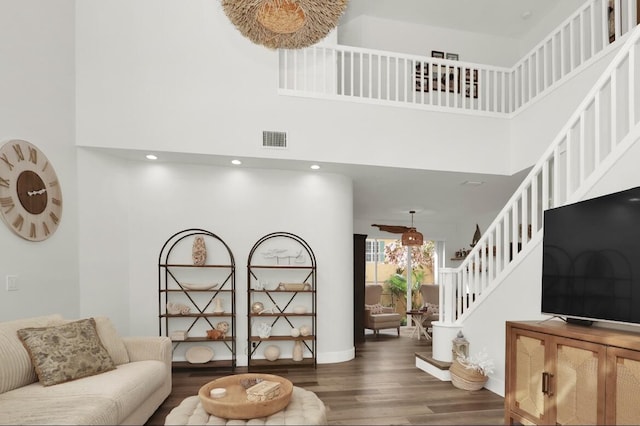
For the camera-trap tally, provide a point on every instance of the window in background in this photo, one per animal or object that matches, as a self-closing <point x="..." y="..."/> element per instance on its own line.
<point x="375" y="251"/>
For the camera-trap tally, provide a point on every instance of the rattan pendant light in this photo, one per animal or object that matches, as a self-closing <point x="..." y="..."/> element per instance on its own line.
<point x="412" y="237"/>
<point x="285" y="24"/>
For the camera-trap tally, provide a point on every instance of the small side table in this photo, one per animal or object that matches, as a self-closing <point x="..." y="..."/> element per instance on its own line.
<point x="417" y="318"/>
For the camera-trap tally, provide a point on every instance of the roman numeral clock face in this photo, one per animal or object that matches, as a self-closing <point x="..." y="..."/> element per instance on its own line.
<point x="30" y="194"/>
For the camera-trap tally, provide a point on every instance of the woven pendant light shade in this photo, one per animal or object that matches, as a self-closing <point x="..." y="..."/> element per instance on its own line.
<point x="412" y="237"/>
<point x="281" y="16"/>
<point x="284" y="24"/>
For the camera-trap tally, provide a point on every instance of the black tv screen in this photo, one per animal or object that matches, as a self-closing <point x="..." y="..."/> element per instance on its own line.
<point x="591" y="259"/>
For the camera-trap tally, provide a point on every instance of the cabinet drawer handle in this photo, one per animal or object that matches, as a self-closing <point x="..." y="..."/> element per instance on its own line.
<point x="546" y="383"/>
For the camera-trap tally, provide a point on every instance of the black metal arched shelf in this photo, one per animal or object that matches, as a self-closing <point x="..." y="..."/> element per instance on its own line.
<point x="175" y="265"/>
<point x="269" y="282"/>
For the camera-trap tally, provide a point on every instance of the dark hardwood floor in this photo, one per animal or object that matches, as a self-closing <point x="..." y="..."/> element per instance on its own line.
<point x="380" y="386"/>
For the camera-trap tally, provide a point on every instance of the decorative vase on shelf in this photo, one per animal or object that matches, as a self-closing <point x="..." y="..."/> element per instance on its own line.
<point x="217" y="308"/>
<point x="272" y="352"/>
<point x="297" y="350"/>
<point x="199" y="251"/>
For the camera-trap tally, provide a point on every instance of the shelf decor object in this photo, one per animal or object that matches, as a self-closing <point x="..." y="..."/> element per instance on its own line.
<point x="199" y="251"/>
<point x="199" y="354"/>
<point x="196" y="299"/>
<point x="199" y="286"/>
<point x="284" y="24"/>
<point x="291" y="319"/>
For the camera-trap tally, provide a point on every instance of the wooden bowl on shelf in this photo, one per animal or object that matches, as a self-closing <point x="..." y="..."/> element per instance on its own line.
<point x="235" y="405"/>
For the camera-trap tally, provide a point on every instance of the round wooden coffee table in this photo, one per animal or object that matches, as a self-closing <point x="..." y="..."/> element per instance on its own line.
<point x="304" y="408"/>
<point x="235" y="405"/>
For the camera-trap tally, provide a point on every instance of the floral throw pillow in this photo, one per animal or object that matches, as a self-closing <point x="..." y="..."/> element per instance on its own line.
<point x="66" y="352"/>
<point x="375" y="309"/>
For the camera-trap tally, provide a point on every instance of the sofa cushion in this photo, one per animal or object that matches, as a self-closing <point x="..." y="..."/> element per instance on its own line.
<point x="16" y="369"/>
<point x="111" y="340"/>
<point x="66" y="352"/>
<point x="108" y="398"/>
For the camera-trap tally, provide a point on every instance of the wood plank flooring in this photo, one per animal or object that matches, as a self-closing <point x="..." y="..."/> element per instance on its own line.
<point x="380" y="386"/>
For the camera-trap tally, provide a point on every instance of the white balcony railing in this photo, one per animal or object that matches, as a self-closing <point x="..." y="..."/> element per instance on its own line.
<point x="374" y="76"/>
<point x="605" y="124"/>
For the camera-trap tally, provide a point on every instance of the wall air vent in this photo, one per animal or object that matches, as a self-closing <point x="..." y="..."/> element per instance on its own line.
<point x="274" y="139"/>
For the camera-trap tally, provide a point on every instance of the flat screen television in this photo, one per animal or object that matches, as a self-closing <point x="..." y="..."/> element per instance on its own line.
<point x="591" y="259"/>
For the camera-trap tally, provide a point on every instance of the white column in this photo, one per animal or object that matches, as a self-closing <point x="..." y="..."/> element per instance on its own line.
<point x="409" y="282"/>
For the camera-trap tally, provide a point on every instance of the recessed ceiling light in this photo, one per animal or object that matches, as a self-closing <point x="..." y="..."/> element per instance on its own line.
<point x="315" y="167"/>
<point x="472" y="182"/>
<point x="236" y="162"/>
<point x="151" y="157"/>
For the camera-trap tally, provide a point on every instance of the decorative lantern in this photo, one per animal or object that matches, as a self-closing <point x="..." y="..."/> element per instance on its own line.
<point x="460" y="346"/>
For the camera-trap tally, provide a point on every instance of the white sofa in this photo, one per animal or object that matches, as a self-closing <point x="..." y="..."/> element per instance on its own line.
<point x="128" y="394"/>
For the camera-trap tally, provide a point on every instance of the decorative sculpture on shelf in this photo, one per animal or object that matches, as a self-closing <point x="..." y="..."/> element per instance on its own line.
<point x="263" y="329"/>
<point x="257" y="307"/>
<point x="278" y="253"/>
<point x="199" y="252"/>
<point x="220" y="332"/>
<point x="177" y="309"/>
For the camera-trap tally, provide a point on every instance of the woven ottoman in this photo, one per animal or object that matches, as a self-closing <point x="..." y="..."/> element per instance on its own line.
<point x="305" y="408"/>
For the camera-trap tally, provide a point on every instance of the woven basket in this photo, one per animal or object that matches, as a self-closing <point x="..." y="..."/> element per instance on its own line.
<point x="466" y="378"/>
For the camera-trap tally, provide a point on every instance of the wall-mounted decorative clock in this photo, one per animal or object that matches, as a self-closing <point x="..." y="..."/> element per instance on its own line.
<point x="30" y="193"/>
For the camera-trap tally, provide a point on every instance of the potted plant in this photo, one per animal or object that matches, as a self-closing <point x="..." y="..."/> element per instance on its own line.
<point x="471" y="372"/>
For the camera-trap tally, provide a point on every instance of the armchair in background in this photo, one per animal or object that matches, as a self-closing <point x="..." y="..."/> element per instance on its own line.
<point x="376" y="316"/>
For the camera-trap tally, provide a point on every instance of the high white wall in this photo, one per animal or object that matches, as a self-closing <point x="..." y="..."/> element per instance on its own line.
<point x="403" y="37"/>
<point x="37" y="105"/>
<point x="530" y="139"/>
<point x="130" y="208"/>
<point x="551" y="21"/>
<point x="178" y="76"/>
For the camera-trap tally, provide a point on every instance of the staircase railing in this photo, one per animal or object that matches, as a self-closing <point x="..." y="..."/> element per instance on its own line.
<point x="412" y="81"/>
<point x="604" y="125"/>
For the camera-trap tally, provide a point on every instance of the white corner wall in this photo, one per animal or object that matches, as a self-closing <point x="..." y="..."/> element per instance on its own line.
<point x="37" y="87"/>
<point x="136" y="206"/>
